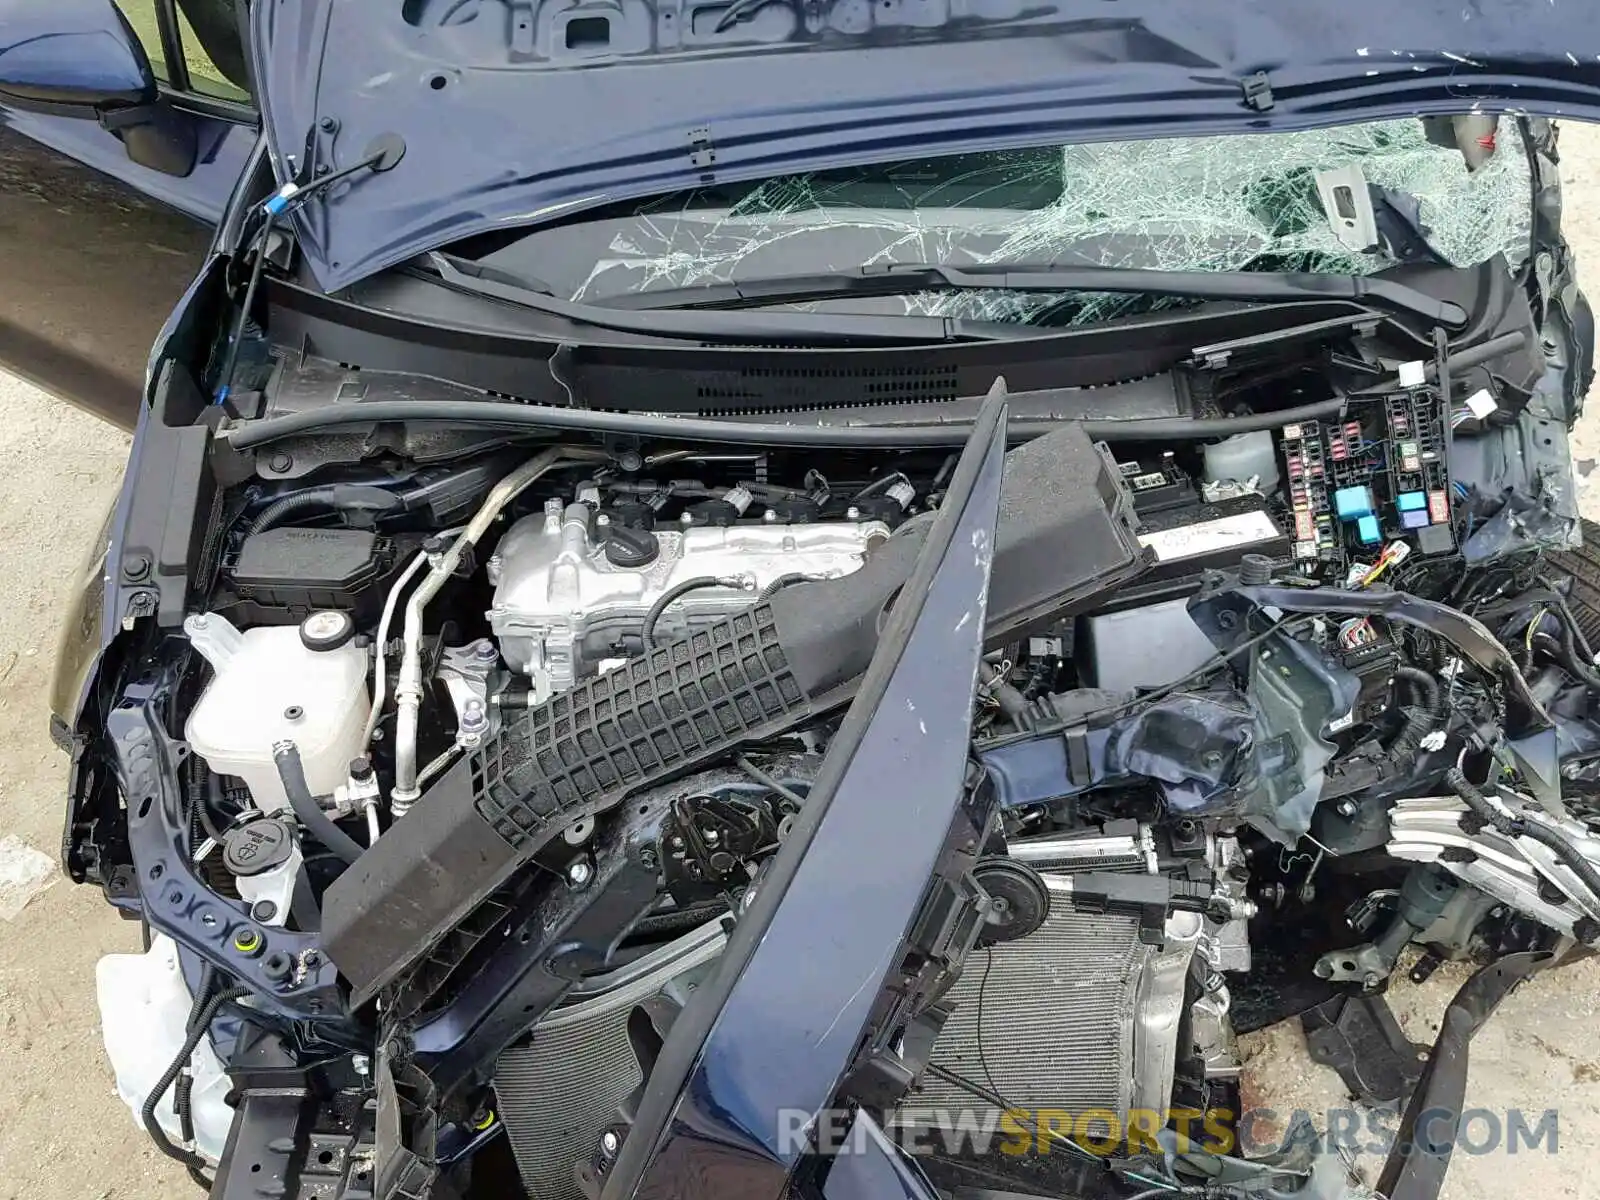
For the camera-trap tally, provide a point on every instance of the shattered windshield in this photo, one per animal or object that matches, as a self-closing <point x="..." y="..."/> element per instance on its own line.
<point x="1244" y="202"/>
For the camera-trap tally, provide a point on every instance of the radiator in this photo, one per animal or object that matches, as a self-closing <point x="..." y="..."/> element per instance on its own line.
<point x="1078" y="1015"/>
<point x="558" y="1091"/>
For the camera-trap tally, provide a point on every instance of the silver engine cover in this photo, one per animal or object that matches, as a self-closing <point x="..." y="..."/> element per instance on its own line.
<point x="554" y="585"/>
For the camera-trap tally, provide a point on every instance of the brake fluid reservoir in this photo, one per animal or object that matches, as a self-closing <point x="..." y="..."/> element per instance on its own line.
<point x="305" y="683"/>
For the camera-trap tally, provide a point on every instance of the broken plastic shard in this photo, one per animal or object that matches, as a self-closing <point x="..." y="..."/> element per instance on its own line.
<point x="1217" y="203"/>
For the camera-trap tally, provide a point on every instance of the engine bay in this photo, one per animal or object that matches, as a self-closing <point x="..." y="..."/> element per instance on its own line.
<point x="454" y="756"/>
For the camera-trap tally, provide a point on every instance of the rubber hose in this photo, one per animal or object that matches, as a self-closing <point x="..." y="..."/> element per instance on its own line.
<point x="305" y="806"/>
<point x="647" y="631"/>
<point x="212" y="797"/>
<point x="1513" y="826"/>
<point x="198" y="1027"/>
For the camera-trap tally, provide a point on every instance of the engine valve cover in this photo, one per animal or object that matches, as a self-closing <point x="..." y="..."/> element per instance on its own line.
<point x="561" y="604"/>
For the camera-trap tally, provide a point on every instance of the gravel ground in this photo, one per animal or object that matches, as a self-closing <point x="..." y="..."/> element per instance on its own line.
<point x="64" y="1135"/>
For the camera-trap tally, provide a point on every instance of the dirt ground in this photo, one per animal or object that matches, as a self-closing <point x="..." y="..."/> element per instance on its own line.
<point x="64" y="1135"/>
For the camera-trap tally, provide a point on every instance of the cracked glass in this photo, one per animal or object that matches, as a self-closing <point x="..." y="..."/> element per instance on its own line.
<point x="1247" y="202"/>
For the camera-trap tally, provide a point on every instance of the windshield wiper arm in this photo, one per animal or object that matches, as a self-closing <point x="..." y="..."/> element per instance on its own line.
<point x="891" y="279"/>
<point x="495" y="284"/>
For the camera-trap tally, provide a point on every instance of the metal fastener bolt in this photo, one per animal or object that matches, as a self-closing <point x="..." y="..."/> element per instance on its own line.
<point x="602" y="520"/>
<point x="263" y="911"/>
<point x="853" y="513"/>
<point x="711" y="837"/>
<point x="610" y="1142"/>
<point x="136" y="566"/>
<point x="770" y="517"/>
<point x="327" y="124"/>
<point x="579" y="873"/>
<point x="246" y="941"/>
<point x="280" y="462"/>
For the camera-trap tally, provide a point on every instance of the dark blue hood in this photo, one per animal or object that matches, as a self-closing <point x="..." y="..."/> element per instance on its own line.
<point x="519" y="111"/>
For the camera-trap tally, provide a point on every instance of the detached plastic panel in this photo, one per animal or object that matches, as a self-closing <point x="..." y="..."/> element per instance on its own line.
<point x="1065" y="540"/>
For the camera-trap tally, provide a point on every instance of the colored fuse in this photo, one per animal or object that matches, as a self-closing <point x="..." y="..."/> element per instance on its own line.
<point x="1305" y="549"/>
<point x="1304" y="527"/>
<point x="1292" y="432"/>
<point x="1438" y="507"/>
<point x="1338" y="451"/>
<point x="1410" y="463"/>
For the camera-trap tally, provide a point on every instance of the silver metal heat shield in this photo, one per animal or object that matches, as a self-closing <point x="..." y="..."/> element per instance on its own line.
<point x="558" y="1091"/>
<point x="1079" y="1015"/>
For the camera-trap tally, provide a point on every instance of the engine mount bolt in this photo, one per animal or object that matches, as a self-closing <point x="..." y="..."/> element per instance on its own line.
<point x="579" y="874"/>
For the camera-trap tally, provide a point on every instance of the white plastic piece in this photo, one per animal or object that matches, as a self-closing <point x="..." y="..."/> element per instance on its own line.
<point x="269" y="687"/>
<point x="1347" y="202"/>
<point x="1480" y="404"/>
<point x="1413" y="374"/>
<point x="144" y="1009"/>
<point x="1243" y="456"/>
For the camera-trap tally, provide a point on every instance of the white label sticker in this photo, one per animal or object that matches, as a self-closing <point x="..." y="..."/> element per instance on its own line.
<point x="1413" y="374"/>
<point x="1208" y="536"/>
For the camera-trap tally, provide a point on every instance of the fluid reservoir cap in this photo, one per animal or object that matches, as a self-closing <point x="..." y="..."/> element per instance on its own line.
<point x="256" y="847"/>
<point x="327" y="630"/>
<point x="627" y="547"/>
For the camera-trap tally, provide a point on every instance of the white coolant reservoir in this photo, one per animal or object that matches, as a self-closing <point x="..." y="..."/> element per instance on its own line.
<point x="306" y="684"/>
<point x="144" y="1011"/>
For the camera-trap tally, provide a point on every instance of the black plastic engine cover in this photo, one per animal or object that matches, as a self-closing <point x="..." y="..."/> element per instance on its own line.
<point x="1065" y="539"/>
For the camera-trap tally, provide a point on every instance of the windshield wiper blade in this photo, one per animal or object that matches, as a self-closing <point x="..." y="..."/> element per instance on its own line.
<point x="892" y="279"/>
<point x="496" y="284"/>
